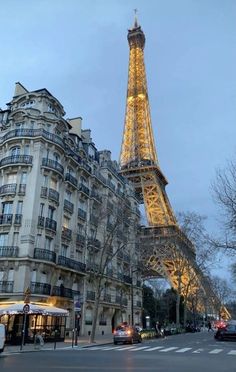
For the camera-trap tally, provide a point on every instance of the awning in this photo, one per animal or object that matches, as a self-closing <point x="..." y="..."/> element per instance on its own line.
<point x="17" y="308"/>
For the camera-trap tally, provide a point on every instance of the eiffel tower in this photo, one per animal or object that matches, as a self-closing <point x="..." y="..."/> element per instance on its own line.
<point x="139" y="163"/>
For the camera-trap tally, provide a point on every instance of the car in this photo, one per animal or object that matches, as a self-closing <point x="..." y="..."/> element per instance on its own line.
<point x="2" y="337"/>
<point x="126" y="333"/>
<point x="227" y="331"/>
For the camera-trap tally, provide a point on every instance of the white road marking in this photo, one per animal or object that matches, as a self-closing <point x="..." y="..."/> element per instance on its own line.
<point x="168" y="349"/>
<point x="197" y="351"/>
<point x="215" y="351"/>
<point x="232" y="352"/>
<point x="154" y="348"/>
<point x="140" y="348"/>
<point x="183" y="350"/>
<point x="126" y="348"/>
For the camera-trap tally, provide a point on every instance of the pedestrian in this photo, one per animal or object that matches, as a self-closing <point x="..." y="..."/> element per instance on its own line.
<point x="209" y="326"/>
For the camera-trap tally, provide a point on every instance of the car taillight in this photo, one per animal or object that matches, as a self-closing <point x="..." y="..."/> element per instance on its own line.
<point x="128" y="332"/>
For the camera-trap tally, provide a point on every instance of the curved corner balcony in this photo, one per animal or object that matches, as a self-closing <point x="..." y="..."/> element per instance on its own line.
<point x="8" y="189"/>
<point x="53" y="165"/>
<point x="44" y="254"/>
<point x="16" y="160"/>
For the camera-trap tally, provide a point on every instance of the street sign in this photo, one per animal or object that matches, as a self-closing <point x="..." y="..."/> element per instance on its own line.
<point x="77" y="306"/>
<point x="26" y="308"/>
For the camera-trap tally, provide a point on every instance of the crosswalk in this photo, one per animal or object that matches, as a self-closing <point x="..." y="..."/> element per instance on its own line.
<point x="162" y="349"/>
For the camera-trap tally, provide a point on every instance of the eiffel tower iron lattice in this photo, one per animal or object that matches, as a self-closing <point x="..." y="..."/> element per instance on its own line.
<point x="139" y="163"/>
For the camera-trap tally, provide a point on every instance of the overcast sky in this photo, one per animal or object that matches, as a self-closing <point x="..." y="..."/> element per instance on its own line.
<point x="78" y="50"/>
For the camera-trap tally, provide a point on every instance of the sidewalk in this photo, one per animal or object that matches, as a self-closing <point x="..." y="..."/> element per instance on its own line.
<point x="83" y="342"/>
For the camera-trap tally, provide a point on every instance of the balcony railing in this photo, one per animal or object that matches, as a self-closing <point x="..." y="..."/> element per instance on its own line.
<point x="82" y="214"/>
<point x="51" y="224"/>
<point x="68" y="206"/>
<point x="107" y="297"/>
<point x="71" y="179"/>
<point x="10" y="251"/>
<point x="22" y="188"/>
<point x="9" y="189"/>
<point x="6" y="219"/>
<point x="53" y="164"/>
<point x="16" y="159"/>
<point x="66" y="233"/>
<point x="84" y="189"/>
<point x="40" y="288"/>
<point x="53" y="195"/>
<point x="41" y="221"/>
<point x="90" y="295"/>
<point x="44" y="254"/>
<point x="62" y="291"/>
<point x="6" y="286"/>
<point x="71" y="264"/>
<point x="18" y="219"/>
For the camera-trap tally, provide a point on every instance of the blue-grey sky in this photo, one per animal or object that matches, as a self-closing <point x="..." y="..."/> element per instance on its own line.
<point x="78" y="50"/>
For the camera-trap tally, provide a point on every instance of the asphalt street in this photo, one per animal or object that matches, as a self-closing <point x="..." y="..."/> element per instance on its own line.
<point x="182" y="353"/>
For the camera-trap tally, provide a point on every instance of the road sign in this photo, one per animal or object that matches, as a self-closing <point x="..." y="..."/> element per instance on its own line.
<point x="26" y="308"/>
<point x="77" y="306"/>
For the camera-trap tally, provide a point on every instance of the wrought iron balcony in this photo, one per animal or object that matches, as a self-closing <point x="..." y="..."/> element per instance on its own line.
<point x="16" y="159"/>
<point x="66" y="233"/>
<point x="82" y="214"/>
<point x="127" y="279"/>
<point x="90" y="295"/>
<point x="18" y="219"/>
<point x="107" y="297"/>
<point x="80" y="239"/>
<point x="53" y="164"/>
<point x="40" y="288"/>
<point x="84" y="189"/>
<point x="41" y="221"/>
<point x="44" y="254"/>
<point x="6" y="219"/>
<point x="6" y="286"/>
<point x="68" y="206"/>
<point x="51" y="224"/>
<point x="71" y="179"/>
<point x="22" y="188"/>
<point x="10" y="251"/>
<point x="62" y="291"/>
<point x="71" y="264"/>
<point x="9" y="189"/>
<point x="53" y="195"/>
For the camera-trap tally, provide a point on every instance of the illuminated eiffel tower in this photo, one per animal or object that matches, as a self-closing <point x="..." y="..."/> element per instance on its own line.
<point x="138" y="159"/>
<point x="139" y="163"/>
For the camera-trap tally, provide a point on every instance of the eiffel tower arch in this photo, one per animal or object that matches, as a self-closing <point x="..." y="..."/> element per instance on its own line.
<point x="167" y="250"/>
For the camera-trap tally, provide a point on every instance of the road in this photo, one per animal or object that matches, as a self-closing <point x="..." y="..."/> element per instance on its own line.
<point x="182" y="353"/>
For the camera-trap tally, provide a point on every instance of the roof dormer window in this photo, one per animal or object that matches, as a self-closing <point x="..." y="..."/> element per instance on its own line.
<point x="28" y="104"/>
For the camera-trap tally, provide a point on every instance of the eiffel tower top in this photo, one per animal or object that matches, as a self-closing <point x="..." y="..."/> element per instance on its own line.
<point x="136" y="36"/>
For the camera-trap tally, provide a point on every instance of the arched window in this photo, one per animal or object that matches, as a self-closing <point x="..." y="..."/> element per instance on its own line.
<point x="15" y="151"/>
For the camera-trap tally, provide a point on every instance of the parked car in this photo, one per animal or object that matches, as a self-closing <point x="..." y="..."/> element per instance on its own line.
<point x="126" y="333"/>
<point x="226" y="332"/>
<point x="2" y="337"/>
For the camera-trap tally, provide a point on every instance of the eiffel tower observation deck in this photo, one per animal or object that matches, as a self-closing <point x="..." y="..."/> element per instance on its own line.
<point x="166" y="250"/>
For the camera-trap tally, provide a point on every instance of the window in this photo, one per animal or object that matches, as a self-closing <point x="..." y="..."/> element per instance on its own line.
<point x="64" y="250"/>
<point x="66" y="222"/>
<point x="11" y="178"/>
<point x="41" y="208"/>
<point x="68" y="195"/>
<point x="51" y="108"/>
<point x="23" y="178"/>
<point x="56" y="157"/>
<point x="19" y="207"/>
<point x="43" y="277"/>
<point x="51" y="211"/>
<point x="3" y="240"/>
<point x="48" y="243"/>
<point x="45" y="181"/>
<point x="15" y="151"/>
<point x="7" y="208"/>
<point x="33" y="276"/>
<point x="15" y="239"/>
<point x="38" y="241"/>
<point x="26" y="150"/>
<point x="28" y="104"/>
<point x="80" y="228"/>
<point x="53" y="184"/>
<point x="10" y="275"/>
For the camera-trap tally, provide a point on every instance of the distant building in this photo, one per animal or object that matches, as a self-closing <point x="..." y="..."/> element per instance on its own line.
<point x="59" y="202"/>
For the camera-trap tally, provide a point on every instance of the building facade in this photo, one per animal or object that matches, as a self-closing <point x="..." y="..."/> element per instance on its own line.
<point x="67" y="216"/>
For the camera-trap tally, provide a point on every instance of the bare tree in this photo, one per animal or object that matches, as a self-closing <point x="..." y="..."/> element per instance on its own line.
<point x="112" y="233"/>
<point x="222" y="291"/>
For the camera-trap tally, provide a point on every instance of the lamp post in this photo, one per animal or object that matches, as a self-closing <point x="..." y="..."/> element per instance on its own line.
<point x="26" y="309"/>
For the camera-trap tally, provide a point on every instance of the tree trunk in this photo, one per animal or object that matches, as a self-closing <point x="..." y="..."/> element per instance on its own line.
<point x="95" y="317"/>
<point x="177" y="309"/>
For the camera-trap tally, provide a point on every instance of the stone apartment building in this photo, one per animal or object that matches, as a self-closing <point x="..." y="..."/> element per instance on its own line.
<point x="62" y="200"/>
